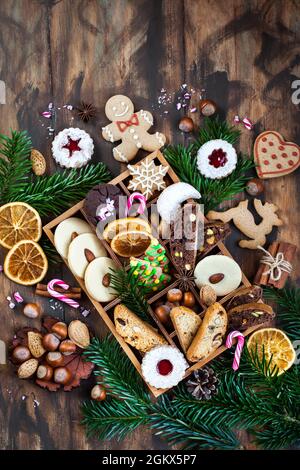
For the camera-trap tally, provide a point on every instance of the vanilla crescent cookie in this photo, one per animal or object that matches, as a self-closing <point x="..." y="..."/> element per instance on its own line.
<point x="67" y="230"/>
<point x="97" y="279"/>
<point x="72" y="148"/>
<point x="220" y="272"/>
<point x="82" y="250"/>
<point x="131" y="128"/>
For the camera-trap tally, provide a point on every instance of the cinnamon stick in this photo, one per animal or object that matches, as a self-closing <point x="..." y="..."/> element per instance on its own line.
<point x="288" y="250"/>
<point x="71" y="293"/>
<point x="261" y="278"/>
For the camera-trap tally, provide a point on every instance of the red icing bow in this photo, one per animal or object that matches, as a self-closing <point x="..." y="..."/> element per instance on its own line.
<point x="122" y="125"/>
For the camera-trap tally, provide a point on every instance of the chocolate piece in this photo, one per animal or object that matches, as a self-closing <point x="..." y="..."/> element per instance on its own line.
<point x="245" y="295"/>
<point x="214" y="232"/>
<point x="184" y="237"/>
<point x="102" y="203"/>
<point x="243" y="316"/>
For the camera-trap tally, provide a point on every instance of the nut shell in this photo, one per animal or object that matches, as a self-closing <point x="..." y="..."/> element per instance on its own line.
<point x="174" y="295"/>
<point x="44" y="372"/>
<point x="207" y="295"/>
<point x="207" y="107"/>
<point x="28" y="368"/>
<point x="32" y="310"/>
<point x="62" y="375"/>
<point x="21" y="354"/>
<point x="79" y="334"/>
<point x="67" y="347"/>
<point x="55" y="359"/>
<point x="98" y="393"/>
<point x="186" y="124"/>
<point x="35" y="344"/>
<point x="60" y="330"/>
<point x="189" y="299"/>
<point x="38" y="162"/>
<point x="51" y="342"/>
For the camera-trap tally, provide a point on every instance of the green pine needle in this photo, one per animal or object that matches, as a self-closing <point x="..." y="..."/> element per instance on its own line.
<point x="15" y="164"/>
<point x="214" y="128"/>
<point x="131" y="293"/>
<point x="50" y="251"/>
<point x="288" y="314"/>
<point x="51" y="195"/>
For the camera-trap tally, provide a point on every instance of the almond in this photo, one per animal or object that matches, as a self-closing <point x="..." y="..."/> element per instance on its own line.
<point x="89" y="255"/>
<point x="106" y="280"/>
<point x="28" y="368"/>
<point x="215" y="278"/>
<point x="35" y="344"/>
<point x="74" y="235"/>
<point x="78" y="333"/>
<point x="38" y="162"/>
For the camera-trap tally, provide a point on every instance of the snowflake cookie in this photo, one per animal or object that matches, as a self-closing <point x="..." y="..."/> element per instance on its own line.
<point x="147" y="177"/>
<point x="72" y="148"/>
<point x="216" y="159"/>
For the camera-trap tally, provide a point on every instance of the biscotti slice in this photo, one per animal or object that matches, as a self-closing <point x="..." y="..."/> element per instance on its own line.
<point x="135" y="331"/>
<point x="245" y="295"/>
<point x="186" y="323"/>
<point x="244" y="316"/>
<point x="210" y="333"/>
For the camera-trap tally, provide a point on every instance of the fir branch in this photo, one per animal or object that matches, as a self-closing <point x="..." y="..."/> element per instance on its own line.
<point x="288" y="315"/>
<point x="131" y="293"/>
<point x="112" y="418"/>
<point x="174" y="426"/>
<point x="15" y="166"/>
<point x="215" y="128"/>
<point x="213" y="192"/>
<point x="116" y="371"/>
<point x="50" y="251"/>
<point x="51" y="195"/>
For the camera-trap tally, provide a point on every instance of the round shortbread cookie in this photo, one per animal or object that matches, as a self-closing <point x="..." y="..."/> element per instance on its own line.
<point x="64" y="231"/>
<point x="96" y="275"/>
<point x="229" y="272"/>
<point x="78" y="257"/>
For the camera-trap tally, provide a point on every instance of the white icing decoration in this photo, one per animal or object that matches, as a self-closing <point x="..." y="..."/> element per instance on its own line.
<point x="146" y="117"/>
<point x="109" y="133"/>
<point x="120" y="154"/>
<point x="159" y="138"/>
<point x="131" y="131"/>
<point x="147" y="177"/>
<point x="139" y="145"/>
<point x="135" y="137"/>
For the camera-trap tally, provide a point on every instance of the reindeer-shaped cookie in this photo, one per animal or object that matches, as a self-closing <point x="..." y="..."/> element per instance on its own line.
<point x="130" y="127"/>
<point x="244" y="221"/>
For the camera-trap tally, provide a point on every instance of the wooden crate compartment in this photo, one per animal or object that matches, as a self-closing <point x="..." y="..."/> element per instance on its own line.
<point x="106" y="310"/>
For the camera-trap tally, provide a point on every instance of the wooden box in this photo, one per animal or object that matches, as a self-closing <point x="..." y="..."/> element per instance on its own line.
<point x="106" y="310"/>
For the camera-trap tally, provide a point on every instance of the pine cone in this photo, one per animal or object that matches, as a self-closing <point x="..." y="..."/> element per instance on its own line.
<point x="203" y="383"/>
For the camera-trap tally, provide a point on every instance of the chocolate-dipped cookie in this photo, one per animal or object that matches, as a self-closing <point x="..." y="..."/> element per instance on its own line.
<point x="243" y="316"/>
<point x="102" y="203"/>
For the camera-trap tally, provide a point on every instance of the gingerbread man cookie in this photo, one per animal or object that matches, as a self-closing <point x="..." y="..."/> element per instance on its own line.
<point x="129" y="127"/>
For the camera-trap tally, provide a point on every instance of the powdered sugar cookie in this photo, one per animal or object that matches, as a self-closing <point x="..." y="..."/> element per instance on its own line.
<point x="72" y="148"/>
<point x="129" y="127"/>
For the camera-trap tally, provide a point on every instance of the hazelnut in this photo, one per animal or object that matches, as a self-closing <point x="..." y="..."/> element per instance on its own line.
<point x="62" y="375"/>
<point x="44" y="372"/>
<point x="60" y="330"/>
<point x="189" y="299"/>
<point x="32" y="310"/>
<point x="207" y="107"/>
<point x="67" y="347"/>
<point x="21" y="354"/>
<point x="98" y="393"/>
<point x="255" y="187"/>
<point x="186" y="124"/>
<point x="174" y="295"/>
<point x="163" y="313"/>
<point x="55" y="359"/>
<point x="50" y="342"/>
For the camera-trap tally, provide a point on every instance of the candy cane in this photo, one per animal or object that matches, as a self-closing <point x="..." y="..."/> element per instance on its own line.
<point x="239" y="347"/>
<point x="245" y="121"/>
<point x="51" y="289"/>
<point x="140" y="197"/>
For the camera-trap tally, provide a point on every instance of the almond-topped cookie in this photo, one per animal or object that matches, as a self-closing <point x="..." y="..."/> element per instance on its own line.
<point x="246" y="315"/>
<point x="210" y="334"/>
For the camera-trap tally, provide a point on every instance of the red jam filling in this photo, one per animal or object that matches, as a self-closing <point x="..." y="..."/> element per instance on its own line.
<point x="218" y="158"/>
<point x="164" y="367"/>
<point x="72" y="146"/>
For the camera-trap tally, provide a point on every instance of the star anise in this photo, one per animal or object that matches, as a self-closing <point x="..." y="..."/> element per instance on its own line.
<point x="86" y="111"/>
<point x="186" y="280"/>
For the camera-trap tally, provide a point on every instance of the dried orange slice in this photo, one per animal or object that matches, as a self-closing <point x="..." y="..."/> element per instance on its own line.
<point x="131" y="243"/>
<point x="125" y="225"/>
<point x="276" y="346"/>
<point x="19" y="221"/>
<point x="26" y="263"/>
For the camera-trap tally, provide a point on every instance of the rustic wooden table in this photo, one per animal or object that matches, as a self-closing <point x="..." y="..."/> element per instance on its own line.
<point x="245" y="54"/>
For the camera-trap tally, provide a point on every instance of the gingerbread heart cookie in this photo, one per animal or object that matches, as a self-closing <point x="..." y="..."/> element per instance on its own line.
<point x="274" y="156"/>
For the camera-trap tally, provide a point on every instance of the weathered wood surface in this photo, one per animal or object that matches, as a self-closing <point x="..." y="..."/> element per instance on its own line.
<point x="244" y="54"/>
